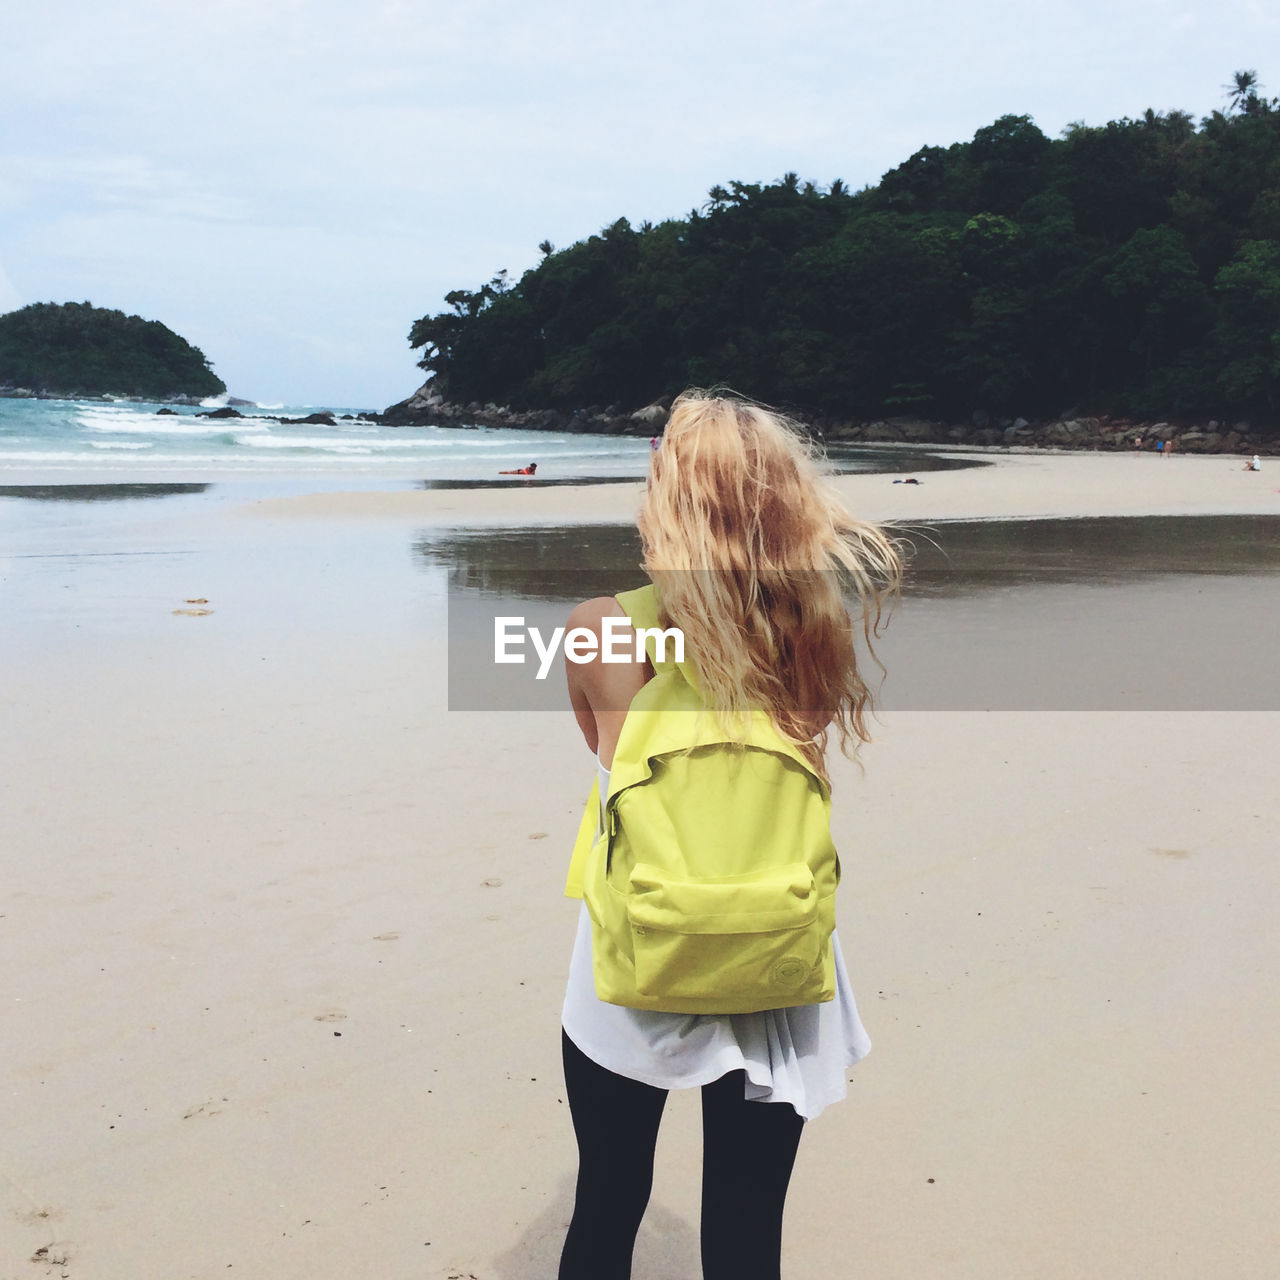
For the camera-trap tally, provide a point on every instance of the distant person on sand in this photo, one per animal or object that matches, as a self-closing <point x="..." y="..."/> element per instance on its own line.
<point x="908" y="480"/>
<point x="1160" y="447"/>
<point x="522" y="471"/>
<point x="1255" y="464"/>
<point x="733" y="488"/>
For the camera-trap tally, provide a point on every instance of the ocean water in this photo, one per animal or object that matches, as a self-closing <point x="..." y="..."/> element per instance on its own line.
<point x="128" y="440"/>
<point x="95" y="442"/>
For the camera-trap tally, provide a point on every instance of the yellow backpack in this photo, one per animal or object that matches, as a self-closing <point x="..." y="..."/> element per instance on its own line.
<point x="711" y="878"/>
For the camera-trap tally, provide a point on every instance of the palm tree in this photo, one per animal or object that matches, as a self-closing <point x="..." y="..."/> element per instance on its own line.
<point x="546" y="248"/>
<point x="1242" y="93"/>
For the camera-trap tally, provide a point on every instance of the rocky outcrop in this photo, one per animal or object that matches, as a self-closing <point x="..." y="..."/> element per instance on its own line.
<point x="1071" y="430"/>
<point x="431" y="411"/>
<point x="322" y="419"/>
<point x="311" y="420"/>
<point x="427" y="409"/>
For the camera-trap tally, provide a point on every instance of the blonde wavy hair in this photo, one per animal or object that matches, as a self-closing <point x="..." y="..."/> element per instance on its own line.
<point x="752" y="553"/>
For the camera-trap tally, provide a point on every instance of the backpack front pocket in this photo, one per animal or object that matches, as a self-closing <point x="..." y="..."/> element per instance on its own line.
<point x="733" y="944"/>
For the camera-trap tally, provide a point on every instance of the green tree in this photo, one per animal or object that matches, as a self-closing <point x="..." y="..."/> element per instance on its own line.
<point x="1159" y="317"/>
<point x="1248" y="328"/>
<point x="1008" y="158"/>
<point x="1244" y="97"/>
<point x="1120" y="267"/>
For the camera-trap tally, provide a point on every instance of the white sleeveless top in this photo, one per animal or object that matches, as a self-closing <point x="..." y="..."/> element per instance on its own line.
<point x="797" y="1055"/>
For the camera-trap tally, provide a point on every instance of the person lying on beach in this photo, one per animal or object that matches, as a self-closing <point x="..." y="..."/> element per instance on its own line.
<point x="909" y="480"/>
<point x="522" y="471"/>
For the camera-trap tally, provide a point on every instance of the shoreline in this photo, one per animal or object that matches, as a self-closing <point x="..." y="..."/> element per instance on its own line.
<point x="1074" y="429"/>
<point x="1022" y="485"/>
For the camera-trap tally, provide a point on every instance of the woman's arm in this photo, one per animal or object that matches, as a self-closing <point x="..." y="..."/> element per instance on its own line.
<point x="583" y="615"/>
<point x="600" y="692"/>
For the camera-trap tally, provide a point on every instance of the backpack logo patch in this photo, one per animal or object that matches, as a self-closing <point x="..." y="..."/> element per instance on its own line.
<point x="790" y="971"/>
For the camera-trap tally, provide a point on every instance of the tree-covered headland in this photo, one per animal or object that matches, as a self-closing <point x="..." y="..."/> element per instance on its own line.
<point x="77" y="349"/>
<point x="1126" y="268"/>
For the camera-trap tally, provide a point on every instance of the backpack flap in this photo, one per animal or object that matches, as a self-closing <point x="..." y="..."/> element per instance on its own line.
<point x="758" y="902"/>
<point x="737" y="944"/>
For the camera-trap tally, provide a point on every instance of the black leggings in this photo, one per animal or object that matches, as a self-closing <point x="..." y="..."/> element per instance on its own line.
<point x="748" y="1152"/>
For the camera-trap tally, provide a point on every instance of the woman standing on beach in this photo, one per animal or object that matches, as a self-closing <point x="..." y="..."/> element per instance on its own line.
<point x="732" y="490"/>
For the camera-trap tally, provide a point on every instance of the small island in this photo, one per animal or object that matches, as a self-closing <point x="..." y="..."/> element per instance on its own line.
<point x="74" y="349"/>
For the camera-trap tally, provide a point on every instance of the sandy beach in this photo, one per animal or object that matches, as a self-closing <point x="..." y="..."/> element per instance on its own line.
<point x="282" y="940"/>
<point x="1004" y="486"/>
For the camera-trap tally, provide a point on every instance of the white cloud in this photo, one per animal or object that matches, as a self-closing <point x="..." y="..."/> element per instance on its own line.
<point x="120" y="181"/>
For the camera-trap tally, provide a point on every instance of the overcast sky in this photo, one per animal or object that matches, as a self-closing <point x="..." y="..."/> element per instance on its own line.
<point x="290" y="183"/>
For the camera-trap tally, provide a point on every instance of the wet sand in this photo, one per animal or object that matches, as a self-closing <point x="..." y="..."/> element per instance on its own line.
<point x="283" y="946"/>
<point x="1006" y="486"/>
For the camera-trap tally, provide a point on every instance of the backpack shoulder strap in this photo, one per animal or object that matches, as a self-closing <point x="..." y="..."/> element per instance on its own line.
<point x="642" y="605"/>
<point x="582" y="845"/>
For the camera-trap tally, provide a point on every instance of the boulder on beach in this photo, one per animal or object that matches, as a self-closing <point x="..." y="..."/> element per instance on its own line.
<point x="652" y="415"/>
